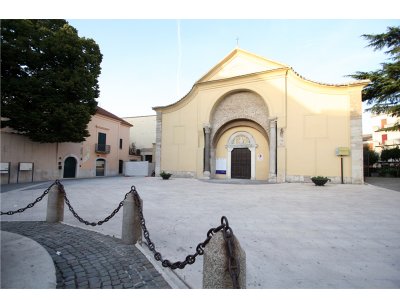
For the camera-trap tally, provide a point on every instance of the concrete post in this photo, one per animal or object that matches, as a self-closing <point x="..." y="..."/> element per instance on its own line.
<point x="55" y="205"/>
<point x="215" y="264"/>
<point x="131" y="229"/>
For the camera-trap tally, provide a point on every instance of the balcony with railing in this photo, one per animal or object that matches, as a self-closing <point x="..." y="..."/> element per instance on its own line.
<point x="102" y="148"/>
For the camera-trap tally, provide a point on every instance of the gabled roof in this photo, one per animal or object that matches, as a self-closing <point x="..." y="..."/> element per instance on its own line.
<point x="240" y="62"/>
<point x="103" y="112"/>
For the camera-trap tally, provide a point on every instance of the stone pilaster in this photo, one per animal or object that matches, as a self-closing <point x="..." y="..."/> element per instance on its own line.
<point x="357" y="169"/>
<point x="158" y="143"/>
<point x="207" y="131"/>
<point x="272" y="150"/>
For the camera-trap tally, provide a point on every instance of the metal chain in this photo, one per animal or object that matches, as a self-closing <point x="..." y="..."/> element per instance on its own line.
<point x="233" y="264"/>
<point x="61" y="188"/>
<point x="30" y="205"/>
<point x="190" y="259"/>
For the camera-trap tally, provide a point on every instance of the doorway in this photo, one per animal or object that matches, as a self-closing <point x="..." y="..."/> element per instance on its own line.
<point x="241" y="163"/>
<point x="120" y="166"/>
<point x="70" y="167"/>
<point x="100" y="167"/>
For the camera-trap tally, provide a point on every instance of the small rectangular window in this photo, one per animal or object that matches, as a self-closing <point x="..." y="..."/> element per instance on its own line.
<point x="120" y="143"/>
<point x="384" y="138"/>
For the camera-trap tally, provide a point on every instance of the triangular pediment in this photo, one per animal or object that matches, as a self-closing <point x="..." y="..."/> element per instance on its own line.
<point x="238" y="63"/>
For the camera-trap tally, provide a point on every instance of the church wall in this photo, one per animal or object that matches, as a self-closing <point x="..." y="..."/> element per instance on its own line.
<point x="312" y="120"/>
<point x="182" y="125"/>
<point x="180" y="141"/>
<point x="318" y="123"/>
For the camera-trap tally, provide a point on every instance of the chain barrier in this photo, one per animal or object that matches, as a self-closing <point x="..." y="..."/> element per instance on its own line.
<point x="190" y="259"/>
<point x="62" y="191"/>
<point x="233" y="264"/>
<point x="80" y="219"/>
<point x="30" y="205"/>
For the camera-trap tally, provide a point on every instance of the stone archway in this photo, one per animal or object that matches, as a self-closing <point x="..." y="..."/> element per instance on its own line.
<point x="241" y="142"/>
<point x="236" y="105"/>
<point x="239" y="106"/>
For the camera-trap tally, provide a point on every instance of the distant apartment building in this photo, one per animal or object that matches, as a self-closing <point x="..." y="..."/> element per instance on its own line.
<point x="101" y="154"/>
<point x="143" y="136"/>
<point x="379" y="140"/>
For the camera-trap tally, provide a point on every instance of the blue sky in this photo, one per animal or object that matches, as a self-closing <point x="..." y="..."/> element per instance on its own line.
<point x="154" y="51"/>
<point x="149" y="63"/>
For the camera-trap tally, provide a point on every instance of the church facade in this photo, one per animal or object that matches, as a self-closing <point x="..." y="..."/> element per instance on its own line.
<point x="257" y="119"/>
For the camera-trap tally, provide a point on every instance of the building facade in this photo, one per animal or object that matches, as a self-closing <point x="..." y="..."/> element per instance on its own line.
<point x="101" y="154"/>
<point x="143" y="136"/>
<point x="380" y="140"/>
<point x="253" y="118"/>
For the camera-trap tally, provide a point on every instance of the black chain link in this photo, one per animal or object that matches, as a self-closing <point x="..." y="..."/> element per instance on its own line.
<point x="190" y="259"/>
<point x="62" y="191"/>
<point x="233" y="264"/>
<point x="30" y="205"/>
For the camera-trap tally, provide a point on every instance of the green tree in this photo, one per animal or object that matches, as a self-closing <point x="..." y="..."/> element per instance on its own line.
<point x="370" y="157"/>
<point x="383" y="93"/>
<point x="392" y="156"/>
<point x="48" y="80"/>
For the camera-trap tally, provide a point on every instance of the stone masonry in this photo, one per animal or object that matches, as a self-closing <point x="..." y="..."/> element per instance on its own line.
<point x="86" y="259"/>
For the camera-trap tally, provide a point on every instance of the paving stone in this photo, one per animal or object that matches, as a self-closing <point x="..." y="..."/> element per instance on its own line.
<point x="89" y="259"/>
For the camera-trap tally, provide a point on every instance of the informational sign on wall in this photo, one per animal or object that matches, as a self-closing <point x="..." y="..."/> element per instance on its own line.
<point x="220" y="166"/>
<point x="342" y="151"/>
<point x="28" y="166"/>
<point x="4" y="168"/>
<point x="25" y="166"/>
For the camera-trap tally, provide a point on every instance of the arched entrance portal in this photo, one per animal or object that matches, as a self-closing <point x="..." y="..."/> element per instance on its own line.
<point x="70" y="167"/>
<point x="241" y="151"/>
<point x="238" y="120"/>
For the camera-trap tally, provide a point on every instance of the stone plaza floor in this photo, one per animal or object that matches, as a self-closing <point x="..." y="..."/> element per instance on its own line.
<point x="296" y="235"/>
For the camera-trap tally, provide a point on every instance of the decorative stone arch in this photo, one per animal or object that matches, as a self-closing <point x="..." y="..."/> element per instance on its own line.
<point x="241" y="139"/>
<point x="238" y="123"/>
<point x="231" y="109"/>
<point x="236" y="105"/>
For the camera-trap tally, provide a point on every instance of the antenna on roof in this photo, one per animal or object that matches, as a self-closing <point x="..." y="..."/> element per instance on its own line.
<point x="237" y="42"/>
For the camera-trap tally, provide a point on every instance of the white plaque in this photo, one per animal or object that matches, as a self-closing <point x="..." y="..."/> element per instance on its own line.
<point x="4" y="168"/>
<point x="25" y="166"/>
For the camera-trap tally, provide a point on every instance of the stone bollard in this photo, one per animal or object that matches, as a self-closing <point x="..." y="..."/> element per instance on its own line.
<point x="215" y="264"/>
<point x="131" y="229"/>
<point x="55" y="205"/>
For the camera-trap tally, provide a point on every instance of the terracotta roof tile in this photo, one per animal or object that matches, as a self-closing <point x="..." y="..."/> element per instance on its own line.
<point x="102" y="111"/>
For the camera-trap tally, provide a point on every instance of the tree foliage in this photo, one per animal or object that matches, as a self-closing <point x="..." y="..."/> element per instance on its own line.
<point x="392" y="154"/>
<point x="370" y="157"/>
<point x="383" y="93"/>
<point x="48" y="80"/>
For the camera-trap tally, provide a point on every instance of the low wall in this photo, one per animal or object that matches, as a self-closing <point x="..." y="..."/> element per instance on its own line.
<point x="136" y="168"/>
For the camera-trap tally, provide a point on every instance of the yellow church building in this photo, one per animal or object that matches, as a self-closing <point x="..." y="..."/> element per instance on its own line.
<point x="253" y="118"/>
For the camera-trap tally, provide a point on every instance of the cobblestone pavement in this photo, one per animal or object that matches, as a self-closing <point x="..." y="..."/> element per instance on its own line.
<point x="86" y="259"/>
